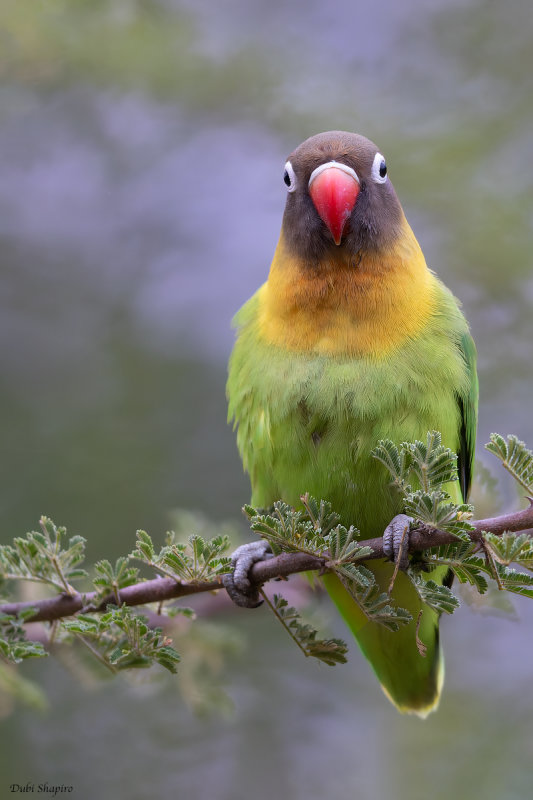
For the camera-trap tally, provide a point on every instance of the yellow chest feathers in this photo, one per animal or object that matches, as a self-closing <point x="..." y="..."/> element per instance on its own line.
<point x="366" y="308"/>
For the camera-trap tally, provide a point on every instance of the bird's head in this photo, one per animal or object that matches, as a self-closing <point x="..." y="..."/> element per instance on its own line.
<point x="340" y="201"/>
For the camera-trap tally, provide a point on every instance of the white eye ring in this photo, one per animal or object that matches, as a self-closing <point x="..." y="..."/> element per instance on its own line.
<point x="379" y="169"/>
<point x="289" y="177"/>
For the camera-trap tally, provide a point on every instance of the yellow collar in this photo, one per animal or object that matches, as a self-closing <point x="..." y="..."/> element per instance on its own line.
<point x="367" y="309"/>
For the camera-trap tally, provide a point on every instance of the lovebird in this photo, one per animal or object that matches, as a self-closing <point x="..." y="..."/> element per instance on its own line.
<point x="352" y="339"/>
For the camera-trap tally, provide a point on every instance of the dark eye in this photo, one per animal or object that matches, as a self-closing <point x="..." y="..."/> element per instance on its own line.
<point x="289" y="177"/>
<point x="379" y="169"/>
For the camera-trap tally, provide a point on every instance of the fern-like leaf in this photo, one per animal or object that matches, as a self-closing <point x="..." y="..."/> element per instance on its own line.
<point x="434" y="595"/>
<point x="433" y="464"/>
<point x="344" y="545"/>
<point x="515" y="457"/>
<point x="293" y="531"/>
<point x="514" y="581"/>
<point x="396" y="460"/>
<point x="329" y="651"/>
<point x="510" y="547"/>
<point x="467" y="567"/>
<point x="197" y="560"/>
<point x="360" y="582"/>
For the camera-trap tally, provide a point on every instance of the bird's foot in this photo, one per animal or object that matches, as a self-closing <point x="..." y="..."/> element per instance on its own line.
<point x="396" y="540"/>
<point x="237" y="583"/>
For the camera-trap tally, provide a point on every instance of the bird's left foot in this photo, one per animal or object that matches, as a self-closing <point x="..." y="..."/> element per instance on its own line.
<point x="237" y="583"/>
<point x="396" y="540"/>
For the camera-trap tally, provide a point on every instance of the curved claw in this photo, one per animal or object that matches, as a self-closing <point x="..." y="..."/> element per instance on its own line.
<point x="237" y="583"/>
<point x="396" y="540"/>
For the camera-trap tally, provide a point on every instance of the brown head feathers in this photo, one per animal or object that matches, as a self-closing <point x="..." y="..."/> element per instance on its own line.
<point x="376" y="219"/>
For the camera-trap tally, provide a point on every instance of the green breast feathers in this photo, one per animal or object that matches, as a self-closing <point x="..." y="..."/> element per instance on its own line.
<point x="307" y="422"/>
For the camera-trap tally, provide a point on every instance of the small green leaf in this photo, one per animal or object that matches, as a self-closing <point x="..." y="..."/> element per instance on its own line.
<point x="344" y="545"/>
<point x="396" y="461"/>
<point x="432" y="464"/>
<point x="14" y="646"/>
<point x="321" y="515"/>
<point x="511" y="547"/>
<point x="168" y="658"/>
<point x="436" y="596"/>
<point x="515" y="457"/>
<point x="360" y="582"/>
<point x="111" y="579"/>
<point x="175" y="611"/>
<point x="329" y="651"/>
<point x="514" y="581"/>
<point x="145" y="548"/>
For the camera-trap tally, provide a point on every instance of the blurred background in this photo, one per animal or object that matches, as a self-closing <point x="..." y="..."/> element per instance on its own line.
<point x="141" y="158"/>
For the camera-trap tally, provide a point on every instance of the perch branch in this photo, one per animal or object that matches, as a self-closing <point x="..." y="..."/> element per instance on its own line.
<point x="158" y="590"/>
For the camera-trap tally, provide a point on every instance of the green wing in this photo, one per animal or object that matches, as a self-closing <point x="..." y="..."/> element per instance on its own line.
<point x="468" y="409"/>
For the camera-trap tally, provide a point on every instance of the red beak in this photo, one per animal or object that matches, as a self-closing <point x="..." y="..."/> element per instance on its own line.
<point x="334" y="189"/>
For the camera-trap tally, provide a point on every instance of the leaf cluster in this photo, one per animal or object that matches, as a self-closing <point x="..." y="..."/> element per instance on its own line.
<point x="316" y="530"/>
<point x="110" y="579"/>
<point x="424" y="474"/>
<point x="122" y="639"/>
<point x="42" y="556"/>
<point x="196" y="560"/>
<point x="14" y="647"/>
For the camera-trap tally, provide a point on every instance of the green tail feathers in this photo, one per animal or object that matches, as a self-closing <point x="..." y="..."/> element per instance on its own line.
<point x="413" y="682"/>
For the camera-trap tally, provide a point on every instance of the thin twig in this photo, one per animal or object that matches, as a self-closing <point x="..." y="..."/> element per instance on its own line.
<point x="96" y="654"/>
<point x="282" y="621"/>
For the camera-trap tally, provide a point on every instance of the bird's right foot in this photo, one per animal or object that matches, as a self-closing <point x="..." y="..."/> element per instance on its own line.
<point x="237" y="583"/>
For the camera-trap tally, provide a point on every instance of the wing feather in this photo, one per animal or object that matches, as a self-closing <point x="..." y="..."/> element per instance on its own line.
<point x="468" y="403"/>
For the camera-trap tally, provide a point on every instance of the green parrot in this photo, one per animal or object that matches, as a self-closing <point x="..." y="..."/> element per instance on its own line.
<point x="353" y="339"/>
